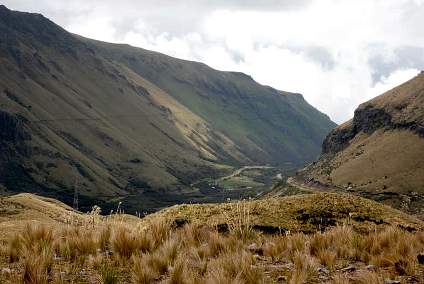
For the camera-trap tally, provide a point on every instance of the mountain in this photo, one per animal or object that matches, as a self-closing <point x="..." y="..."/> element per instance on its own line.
<point x="120" y="123"/>
<point x="380" y="152"/>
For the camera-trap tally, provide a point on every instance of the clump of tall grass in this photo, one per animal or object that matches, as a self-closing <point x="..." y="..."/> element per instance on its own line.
<point x="200" y="254"/>
<point x="142" y="273"/>
<point x="304" y="268"/>
<point x="235" y="267"/>
<point x="34" y="271"/>
<point x="239" y="221"/>
<point x="109" y="274"/>
<point x="104" y="237"/>
<point x="124" y="243"/>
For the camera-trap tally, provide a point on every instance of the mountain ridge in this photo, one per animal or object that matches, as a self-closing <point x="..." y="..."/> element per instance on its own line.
<point x="377" y="153"/>
<point x="125" y="124"/>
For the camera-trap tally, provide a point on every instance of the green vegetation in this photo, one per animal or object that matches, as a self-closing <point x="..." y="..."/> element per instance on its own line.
<point x="270" y="125"/>
<point x="123" y="124"/>
<point x="239" y="182"/>
<point x="253" y="179"/>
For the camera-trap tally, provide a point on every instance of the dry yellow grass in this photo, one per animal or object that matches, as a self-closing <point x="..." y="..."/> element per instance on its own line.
<point x="155" y="250"/>
<point x="300" y="213"/>
<point x="218" y="258"/>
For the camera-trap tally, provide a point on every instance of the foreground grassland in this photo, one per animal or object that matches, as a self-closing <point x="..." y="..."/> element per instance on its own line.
<point x="226" y="243"/>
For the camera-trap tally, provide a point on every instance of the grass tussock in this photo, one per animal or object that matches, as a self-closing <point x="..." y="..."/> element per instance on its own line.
<point x="161" y="253"/>
<point x="36" y="269"/>
<point x="109" y="274"/>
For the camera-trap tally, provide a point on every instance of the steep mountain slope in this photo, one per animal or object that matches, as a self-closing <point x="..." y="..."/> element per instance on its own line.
<point x="122" y="123"/>
<point x="267" y="124"/>
<point x="380" y="153"/>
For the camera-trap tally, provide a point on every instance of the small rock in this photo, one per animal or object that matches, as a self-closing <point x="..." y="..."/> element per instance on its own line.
<point x="420" y="258"/>
<point x="323" y="270"/>
<point x="180" y="222"/>
<point x="350" y="268"/>
<point x="253" y="248"/>
<point x="282" y="278"/>
<point x="6" y="270"/>
<point x="389" y="281"/>
<point x="277" y="266"/>
<point x="370" y="267"/>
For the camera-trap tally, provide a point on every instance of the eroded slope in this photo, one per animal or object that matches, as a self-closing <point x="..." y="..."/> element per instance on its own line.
<point x="379" y="153"/>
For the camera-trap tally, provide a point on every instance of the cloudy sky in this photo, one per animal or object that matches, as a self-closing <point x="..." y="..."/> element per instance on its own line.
<point x="337" y="53"/>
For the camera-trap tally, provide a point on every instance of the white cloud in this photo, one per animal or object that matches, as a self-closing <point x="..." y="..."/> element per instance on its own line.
<point x="324" y="49"/>
<point x="389" y="82"/>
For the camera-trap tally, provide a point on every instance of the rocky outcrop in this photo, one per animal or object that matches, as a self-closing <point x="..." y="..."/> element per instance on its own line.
<point x="367" y="119"/>
<point x="378" y="153"/>
<point x="338" y="139"/>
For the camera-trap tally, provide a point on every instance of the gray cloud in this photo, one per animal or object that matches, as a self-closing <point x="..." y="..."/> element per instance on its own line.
<point x="173" y="16"/>
<point x="403" y="57"/>
<point x="318" y="54"/>
<point x="337" y="53"/>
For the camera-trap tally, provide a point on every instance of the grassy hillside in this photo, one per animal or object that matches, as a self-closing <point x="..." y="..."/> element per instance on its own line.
<point x="379" y="153"/>
<point x="300" y="213"/>
<point x="161" y="248"/>
<point x="76" y="113"/>
<point x="267" y="124"/>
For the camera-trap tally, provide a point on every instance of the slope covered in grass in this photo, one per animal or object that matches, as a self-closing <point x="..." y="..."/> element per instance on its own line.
<point x="379" y="153"/>
<point x="299" y="213"/>
<point x="125" y="124"/>
<point x="268" y="125"/>
<point x="305" y="213"/>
